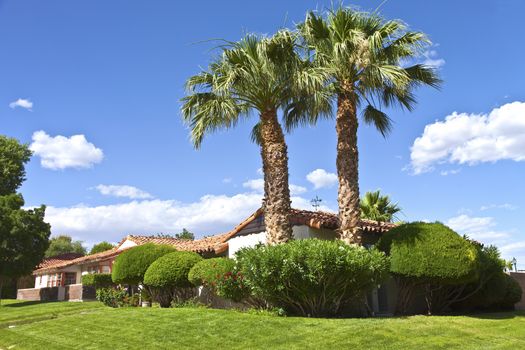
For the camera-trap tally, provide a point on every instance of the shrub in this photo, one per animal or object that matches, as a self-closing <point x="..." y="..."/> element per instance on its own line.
<point x="167" y="277"/>
<point x="97" y="280"/>
<point x="206" y="272"/>
<point x="311" y="276"/>
<point x="112" y="297"/>
<point x="130" y="266"/>
<point x="232" y="285"/>
<point x="429" y="255"/>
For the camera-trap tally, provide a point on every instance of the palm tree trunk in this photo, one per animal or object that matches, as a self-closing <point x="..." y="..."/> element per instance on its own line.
<point x="276" y="191"/>
<point x="347" y="168"/>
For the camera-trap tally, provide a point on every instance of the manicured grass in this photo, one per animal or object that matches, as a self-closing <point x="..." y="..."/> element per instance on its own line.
<point x="14" y="312"/>
<point x="153" y="328"/>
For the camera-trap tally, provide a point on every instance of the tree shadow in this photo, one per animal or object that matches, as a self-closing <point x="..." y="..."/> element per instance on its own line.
<point x="25" y="303"/>
<point x="504" y="315"/>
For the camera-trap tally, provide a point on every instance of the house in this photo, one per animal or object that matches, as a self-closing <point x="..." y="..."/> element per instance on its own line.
<point x="59" y="278"/>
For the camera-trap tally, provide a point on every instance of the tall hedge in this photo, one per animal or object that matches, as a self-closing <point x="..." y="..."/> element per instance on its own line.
<point x="206" y="272"/>
<point x="130" y="266"/>
<point x="311" y="277"/>
<point x="430" y="252"/>
<point x="97" y="280"/>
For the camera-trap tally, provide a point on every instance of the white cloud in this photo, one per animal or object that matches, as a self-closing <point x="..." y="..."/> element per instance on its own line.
<point x="257" y="185"/>
<point x="505" y="206"/>
<point x="478" y="228"/>
<point x="254" y="185"/>
<point x="60" y="152"/>
<point x="209" y="215"/>
<point x="321" y="178"/>
<point x="22" y="103"/>
<point x="464" y="138"/>
<point x="450" y="172"/>
<point x="431" y="59"/>
<point x="123" y="191"/>
<point x="227" y="180"/>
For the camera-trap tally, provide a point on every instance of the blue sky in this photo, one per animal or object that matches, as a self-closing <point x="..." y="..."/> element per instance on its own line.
<point x="113" y="71"/>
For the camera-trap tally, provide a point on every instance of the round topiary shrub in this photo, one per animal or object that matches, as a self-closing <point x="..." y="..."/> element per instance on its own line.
<point x="206" y="272"/>
<point x="430" y="255"/>
<point x="311" y="277"/>
<point x="167" y="277"/>
<point x="130" y="266"/>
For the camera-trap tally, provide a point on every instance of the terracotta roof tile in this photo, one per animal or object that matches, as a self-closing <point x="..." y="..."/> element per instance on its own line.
<point x="108" y="254"/>
<point x="58" y="259"/>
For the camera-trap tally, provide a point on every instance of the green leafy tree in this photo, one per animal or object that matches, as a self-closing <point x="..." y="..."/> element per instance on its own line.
<point x="375" y="206"/>
<point x="101" y="247"/>
<point x="24" y="236"/>
<point x="13" y="156"/>
<point x="185" y="234"/>
<point x="257" y="76"/>
<point x="64" y="244"/>
<point x="364" y="56"/>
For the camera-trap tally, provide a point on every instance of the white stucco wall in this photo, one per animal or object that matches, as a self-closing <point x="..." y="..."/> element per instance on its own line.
<point x="45" y="277"/>
<point x="126" y="244"/>
<point x="298" y="232"/>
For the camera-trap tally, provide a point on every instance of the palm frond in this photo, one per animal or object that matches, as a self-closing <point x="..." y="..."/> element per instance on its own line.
<point x="377" y="118"/>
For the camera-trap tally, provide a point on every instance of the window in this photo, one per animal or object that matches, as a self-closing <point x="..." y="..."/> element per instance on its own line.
<point x="105" y="269"/>
<point x="70" y="278"/>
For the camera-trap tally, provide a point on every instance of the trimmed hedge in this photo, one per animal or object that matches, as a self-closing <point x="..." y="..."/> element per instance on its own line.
<point x="430" y="252"/>
<point x="130" y="266"/>
<point x="311" y="277"/>
<point x="167" y="277"/>
<point x="206" y="272"/>
<point x="97" y="280"/>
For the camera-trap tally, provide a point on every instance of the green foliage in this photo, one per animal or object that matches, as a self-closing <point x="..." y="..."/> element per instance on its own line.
<point x="13" y="157"/>
<point x="311" y="277"/>
<point x="101" y="247"/>
<point x="232" y="285"/>
<point x="112" y="297"/>
<point x="206" y="272"/>
<point x="64" y="244"/>
<point x="375" y="206"/>
<point x="97" y="280"/>
<point x="130" y="266"/>
<point x="364" y="56"/>
<point x="185" y="234"/>
<point x="171" y="270"/>
<point x="24" y="236"/>
<point x="430" y="252"/>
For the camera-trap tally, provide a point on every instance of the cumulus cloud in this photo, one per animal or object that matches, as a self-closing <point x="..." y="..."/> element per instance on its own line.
<point x="22" y="103"/>
<point x="478" y="228"/>
<point x="209" y="215"/>
<point x="431" y="59"/>
<point x="257" y="185"/>
<point x="60" y="152"/>
<point x="123" y="191"/>
<point x="321" y="178"/>
<point x="464" y="138"/>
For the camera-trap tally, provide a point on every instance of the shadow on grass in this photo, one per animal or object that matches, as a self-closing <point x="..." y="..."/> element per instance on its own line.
<point x="497" y="315"/>
<point x="25" y="303"/>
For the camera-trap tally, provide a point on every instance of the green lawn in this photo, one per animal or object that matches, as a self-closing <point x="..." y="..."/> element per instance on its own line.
<point x="89" y="326"/>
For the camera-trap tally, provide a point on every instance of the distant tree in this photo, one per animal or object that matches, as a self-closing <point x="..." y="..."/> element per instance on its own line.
<point x="101" y="247"/>
<point x="24" y="236"/>
<point x="64" y="244"/>
<point x="13" y="156"/>
<point x="185" y="234"/>
<point x="375" y="206"/>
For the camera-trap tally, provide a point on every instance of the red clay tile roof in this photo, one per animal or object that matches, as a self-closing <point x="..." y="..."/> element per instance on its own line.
<point x="58" y="259"/>
<point x="218" y="244"/>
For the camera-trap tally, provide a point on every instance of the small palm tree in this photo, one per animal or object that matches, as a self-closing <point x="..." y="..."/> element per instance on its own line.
<point x="364" y="56"/>
<point x="375" y="206"/>
<point x="264" y="75"/>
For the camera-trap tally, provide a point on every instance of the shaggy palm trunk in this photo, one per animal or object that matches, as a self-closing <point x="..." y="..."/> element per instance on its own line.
<point x="276" y="191"/>
<point x="347" y="168"/>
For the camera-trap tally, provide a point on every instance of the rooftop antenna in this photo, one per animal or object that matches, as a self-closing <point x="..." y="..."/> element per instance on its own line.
<point x="316" y="202"/>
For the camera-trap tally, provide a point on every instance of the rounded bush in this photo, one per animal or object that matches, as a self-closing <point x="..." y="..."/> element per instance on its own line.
<point x="206" y="272"/>
<point x="171" y="270"/>
<point x="430" y="252"/>
<point x="130" y="266"/>
<point x="311" y="277"/>
<point x="97" y="280"/>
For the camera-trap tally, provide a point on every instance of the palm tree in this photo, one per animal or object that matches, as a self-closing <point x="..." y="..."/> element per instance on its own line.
<point x="375" y="206"/>
<point x="365" y="57"/>
<point x="262" y="75"/>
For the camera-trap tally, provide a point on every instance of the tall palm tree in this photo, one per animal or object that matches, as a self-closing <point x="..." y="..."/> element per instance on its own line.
<point x="365" y="57"/>
<point x="261" y="75"/>
<point x="375" y="206"/>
